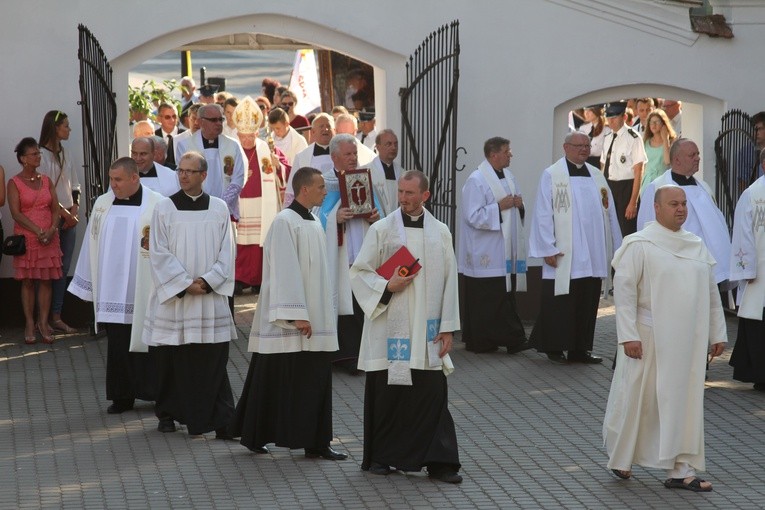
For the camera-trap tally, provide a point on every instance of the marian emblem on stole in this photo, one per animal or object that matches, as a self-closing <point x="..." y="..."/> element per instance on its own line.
<point x="604" y="197"/>
<point x="561" y="201"/>
<point x="228" y="165"/>
<point x="758" y="216"/>
<point x="145" y="238"/>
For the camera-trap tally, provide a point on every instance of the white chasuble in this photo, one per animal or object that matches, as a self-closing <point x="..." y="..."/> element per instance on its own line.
<point x="186" y="245"/>
<point x="257" y="213"/>
<point x="113" y="267"/>
<point x="296" y="286"/>
<point x="667" y="299"/>
<point x="574" y="216"/>
<point x="385" y="189"/>
<point x="323" y="163"/>
<point x="704" y="219"/>
<point x="430" y="302"/>
<point x="748" y="250"/>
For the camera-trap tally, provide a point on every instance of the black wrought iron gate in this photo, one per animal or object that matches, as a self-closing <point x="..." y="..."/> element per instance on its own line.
<point x="429" y="117"/>
<point x="736" y="160"/>
<point x="99" y="116"/>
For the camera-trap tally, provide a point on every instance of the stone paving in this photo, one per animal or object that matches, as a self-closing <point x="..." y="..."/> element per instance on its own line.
<point x="529" y="432"/>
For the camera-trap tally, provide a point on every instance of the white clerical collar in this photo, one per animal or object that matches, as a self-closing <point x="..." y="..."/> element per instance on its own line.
<point x="578" y="167"/>
<point x="194" y="198"/>
<point x="416" y="218"/>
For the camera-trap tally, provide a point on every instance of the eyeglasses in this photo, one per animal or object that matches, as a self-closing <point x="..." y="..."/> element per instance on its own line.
<point x="213" y="119"/>
<point x="580" y="145"/>
<point x="169" y="116"/>
<point x="262" y="106"/>
<point x="185" y="171"/>
<point x="287" y="104"/>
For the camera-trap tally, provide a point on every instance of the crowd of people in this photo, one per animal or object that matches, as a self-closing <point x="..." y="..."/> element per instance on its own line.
<point x="226" y="194"/>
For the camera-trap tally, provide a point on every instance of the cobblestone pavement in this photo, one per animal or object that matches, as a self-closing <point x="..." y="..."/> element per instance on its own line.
<point x="529" y="433"/>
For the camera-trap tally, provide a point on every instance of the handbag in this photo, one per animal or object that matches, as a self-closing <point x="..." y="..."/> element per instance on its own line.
<point x="14" y="245"/>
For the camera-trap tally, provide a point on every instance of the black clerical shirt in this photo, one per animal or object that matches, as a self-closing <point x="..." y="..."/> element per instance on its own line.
<point x="210" y="144"/>
<point x="390" y="173"/>
<point x="573" y="171"/>
<point x="301" y="210"/>
<point x="183" y="202"/>
<point x="151" y="172"/>
<point x="134" y="199"/>
<point x="318" y="150"/>
<point x="682" y="180"/>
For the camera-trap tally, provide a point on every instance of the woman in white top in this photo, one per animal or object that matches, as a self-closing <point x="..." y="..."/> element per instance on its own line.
<point x="57" y="165"/>
<point x="596" y="129"/>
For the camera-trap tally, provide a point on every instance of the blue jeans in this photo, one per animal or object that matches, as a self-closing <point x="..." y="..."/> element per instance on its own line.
<point x="66" y="239"/>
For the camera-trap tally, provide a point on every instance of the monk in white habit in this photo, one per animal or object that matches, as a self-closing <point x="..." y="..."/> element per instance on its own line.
<point x="316" y="155"/>
<point x="287" y="395"/>
<point x="113" y="272"/>
<point x="260" y="199"/>
<point x="668" y="319"/>
<point x="408" y="333"/>
<point x="225" y="157"/>
<point x="704" y="217"/>
<point x="575" y="230"/>
<point x="492" y="253"/>
<point x="188" y="322"/>
<point x="344" y="237"/>
<point x="747" y="265"/>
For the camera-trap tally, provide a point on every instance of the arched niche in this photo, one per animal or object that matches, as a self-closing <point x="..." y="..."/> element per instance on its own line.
<point x="701" y="117"/>
<point x="389" y="67"/>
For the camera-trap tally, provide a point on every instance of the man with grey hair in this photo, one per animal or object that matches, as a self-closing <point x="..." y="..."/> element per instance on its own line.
<point x="160" y="150"/>
<point x="347" y="124"/>
<point x="575" y="230"/>
<point x="704" y="217"/>
<point x="153" y="175"/>
<point x="224" y="156"/>
<point x="188" y="323"/>
<point x="344" y="237"/>
<point x="747" y="265"/>
<point x="669" y="320"/>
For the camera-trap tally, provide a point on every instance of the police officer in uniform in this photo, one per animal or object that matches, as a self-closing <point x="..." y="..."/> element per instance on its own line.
<point x="622" y="163"/>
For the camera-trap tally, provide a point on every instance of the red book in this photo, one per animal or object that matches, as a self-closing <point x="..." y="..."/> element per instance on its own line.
<point x="402" y="257"/>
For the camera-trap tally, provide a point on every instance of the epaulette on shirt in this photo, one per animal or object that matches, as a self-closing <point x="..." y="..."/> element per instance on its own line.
<point x="634" y="135"/>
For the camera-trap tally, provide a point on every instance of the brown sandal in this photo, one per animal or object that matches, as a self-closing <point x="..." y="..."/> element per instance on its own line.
<point x="59" y="325"/>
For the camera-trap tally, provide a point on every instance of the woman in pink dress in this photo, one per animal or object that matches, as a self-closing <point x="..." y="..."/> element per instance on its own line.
<point x="33" y="204"/>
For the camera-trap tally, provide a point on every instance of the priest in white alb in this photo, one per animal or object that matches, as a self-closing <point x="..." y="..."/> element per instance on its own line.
<point x="747" y="265"/>
<point x="316" y="155"/>
<point x="260" y="198"/>
<point x="287" y="395"/>
<point x="113" y="272"/>
<point x="225" y="157"/>
<point x="575" y="230"/>
<point x="386" y="170"/>
<point x="157" y="177"/>
<point x="492" y="253"/>
<point x="669" y="318"/>
<point x="344" y="237"/>
<point x="283" y="136"/>
<point x="408" y="333"/>
<point x="188" y="322"/>
<point x="704" y="217"/>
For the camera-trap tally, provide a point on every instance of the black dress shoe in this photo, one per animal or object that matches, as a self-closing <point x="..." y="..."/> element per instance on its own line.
<point x="118" y="408"/>
<point x="238" y="288"/>
<point x="379" y="469"/>
<point x="325" y="453"/>
<point x="523" y="346"/>
<point x="557" y="357"/>
<point x="166" y="425"/>
<point x="584" y="357"/>
<point x="260" y="450"/>
<point x="446" y="476"/>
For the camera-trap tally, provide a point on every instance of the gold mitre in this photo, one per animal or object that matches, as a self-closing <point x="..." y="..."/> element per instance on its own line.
<point x="247" y="116"/>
